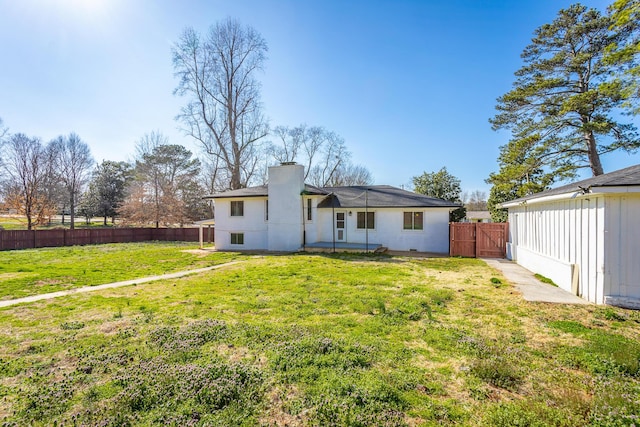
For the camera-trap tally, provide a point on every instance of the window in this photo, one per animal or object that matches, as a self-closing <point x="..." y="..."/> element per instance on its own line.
<point x="266" y="210"/>
<point x="413" y="221"/>
<point x="366" y="220"/>
<point x="237" y="238"/>
<point x="237" y="208"/>
<point x="309" y="210"/>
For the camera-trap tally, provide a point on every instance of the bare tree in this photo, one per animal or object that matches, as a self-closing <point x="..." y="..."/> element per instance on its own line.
<point x="350" y="174"/>
<point x="224" y="112"/>
<point x="3" y="131"/>
<point x="475" y="200"/>
<point x="323" y="153"/>
<point x="73" y="163"/>
<point x="29" y="168"/>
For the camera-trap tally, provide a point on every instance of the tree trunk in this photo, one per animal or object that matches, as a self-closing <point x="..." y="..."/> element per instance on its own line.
<point x="594" y="157"/>
<point x="28" y="215"/>
<point x="72" y="216"/>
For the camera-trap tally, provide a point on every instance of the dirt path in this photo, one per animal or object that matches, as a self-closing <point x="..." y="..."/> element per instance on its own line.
<point x="84" y="289"/>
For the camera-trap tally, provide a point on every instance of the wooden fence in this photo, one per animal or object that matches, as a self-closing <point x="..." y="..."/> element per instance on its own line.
<point x="26" y="239"/>
<point x="478" y="239"/>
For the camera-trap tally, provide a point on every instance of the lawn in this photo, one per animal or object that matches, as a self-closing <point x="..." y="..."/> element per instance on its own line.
<point x="18" y="222"/>
<point x="344" y="340"/>
<point x="37" y="271"/>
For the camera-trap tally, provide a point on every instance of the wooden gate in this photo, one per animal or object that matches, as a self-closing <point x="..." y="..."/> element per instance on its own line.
<point x="478" y="239"/>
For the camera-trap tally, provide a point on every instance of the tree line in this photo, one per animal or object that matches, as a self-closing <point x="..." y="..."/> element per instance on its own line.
<point x="164" y="184"/>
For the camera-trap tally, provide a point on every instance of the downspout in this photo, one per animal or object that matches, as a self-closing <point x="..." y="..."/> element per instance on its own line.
<point x="333" y="221"/>
<point x="366" y="219"/>
<point x="304" y="224"/>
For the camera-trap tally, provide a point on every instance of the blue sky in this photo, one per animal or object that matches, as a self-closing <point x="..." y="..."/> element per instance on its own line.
<point x="410" y="85"/>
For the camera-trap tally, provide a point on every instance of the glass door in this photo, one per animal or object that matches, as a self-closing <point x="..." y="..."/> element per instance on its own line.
<point x="341" y="231"/>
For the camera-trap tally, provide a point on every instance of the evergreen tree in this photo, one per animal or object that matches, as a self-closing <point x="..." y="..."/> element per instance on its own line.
<point x="564" y="100"/>
<point x="625" y="53"/>
<point x="107" y="189"/>
<point x="441" y="185"/>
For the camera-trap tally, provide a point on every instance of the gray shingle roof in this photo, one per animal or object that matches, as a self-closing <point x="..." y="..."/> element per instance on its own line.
<point x="260" y="191"/>
<point x="377" y="196"/>
<point x="621" y="178"/>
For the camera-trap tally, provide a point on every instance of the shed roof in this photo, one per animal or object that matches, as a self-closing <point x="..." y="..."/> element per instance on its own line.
<point x="626" y="177"/>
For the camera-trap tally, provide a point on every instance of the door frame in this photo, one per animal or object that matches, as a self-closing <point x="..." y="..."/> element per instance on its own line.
<point x="336" y="229"/>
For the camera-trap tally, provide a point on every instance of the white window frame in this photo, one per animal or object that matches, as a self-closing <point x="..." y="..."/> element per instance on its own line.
<point x="241" y="235"/>
<point x="231" y="213"/>
<point x="366" y="227"/>
<point x="413" y="222"/>
<point x="309" y="210"/>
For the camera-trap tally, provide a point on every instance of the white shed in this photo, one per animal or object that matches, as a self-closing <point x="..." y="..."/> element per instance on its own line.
<point x="584" y="236"/>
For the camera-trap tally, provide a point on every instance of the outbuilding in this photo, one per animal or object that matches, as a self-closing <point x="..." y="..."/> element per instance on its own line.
<point x="584" y="236"/>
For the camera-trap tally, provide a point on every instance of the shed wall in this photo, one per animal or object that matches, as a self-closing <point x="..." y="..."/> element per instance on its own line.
<point x="549" y="238"/>
<point x="622" y="272"/>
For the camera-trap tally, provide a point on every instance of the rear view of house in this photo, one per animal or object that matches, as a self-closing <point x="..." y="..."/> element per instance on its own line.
<point x="288" y="215"/>
<point x="584" y="236"/>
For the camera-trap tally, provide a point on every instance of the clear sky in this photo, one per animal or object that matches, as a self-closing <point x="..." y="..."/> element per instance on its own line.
<point x="410" y="85"/>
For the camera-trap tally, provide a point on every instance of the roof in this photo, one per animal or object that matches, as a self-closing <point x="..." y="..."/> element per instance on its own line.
<point x="260" y="191"/>
<point x="379" y="196"/>
<point x="210" y="221"/>
<point x="358" y="196"/>
<point x="626" y="177"/>
<point x="478" y="214"/>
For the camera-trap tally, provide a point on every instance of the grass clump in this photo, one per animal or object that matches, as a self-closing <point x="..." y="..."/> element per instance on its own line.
<point x="544" y="279"/>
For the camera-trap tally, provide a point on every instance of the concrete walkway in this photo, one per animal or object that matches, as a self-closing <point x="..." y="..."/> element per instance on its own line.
<point x="7" y="303"/>
<point x="532" y="289"/>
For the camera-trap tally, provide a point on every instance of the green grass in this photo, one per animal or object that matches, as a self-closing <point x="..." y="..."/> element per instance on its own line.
<point x="544" y="279"/>
<point x="314" y="340"/>
<point x="17" y="222"/>
<point x="37" y="271"/>
<point x="12" y="223"/>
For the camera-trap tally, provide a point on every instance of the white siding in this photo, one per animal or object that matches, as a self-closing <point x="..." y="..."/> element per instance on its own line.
<point x="311" y="227"/>
<point x="553" y="236"/>
<point x="252" y="224"/>
<point x="389" y="230"/>
<point x="599" y="233"/>
<point x="622" y="270"/>
<point x="286" y="184"/>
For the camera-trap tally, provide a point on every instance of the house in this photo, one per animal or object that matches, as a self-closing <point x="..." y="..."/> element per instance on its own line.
<point x="289" y="215"/>
<point x="584" y="236"/>
<point x="477" y="216"/>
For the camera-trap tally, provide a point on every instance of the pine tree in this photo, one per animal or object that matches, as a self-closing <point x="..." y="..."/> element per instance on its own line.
<point x="564" y="99"/>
